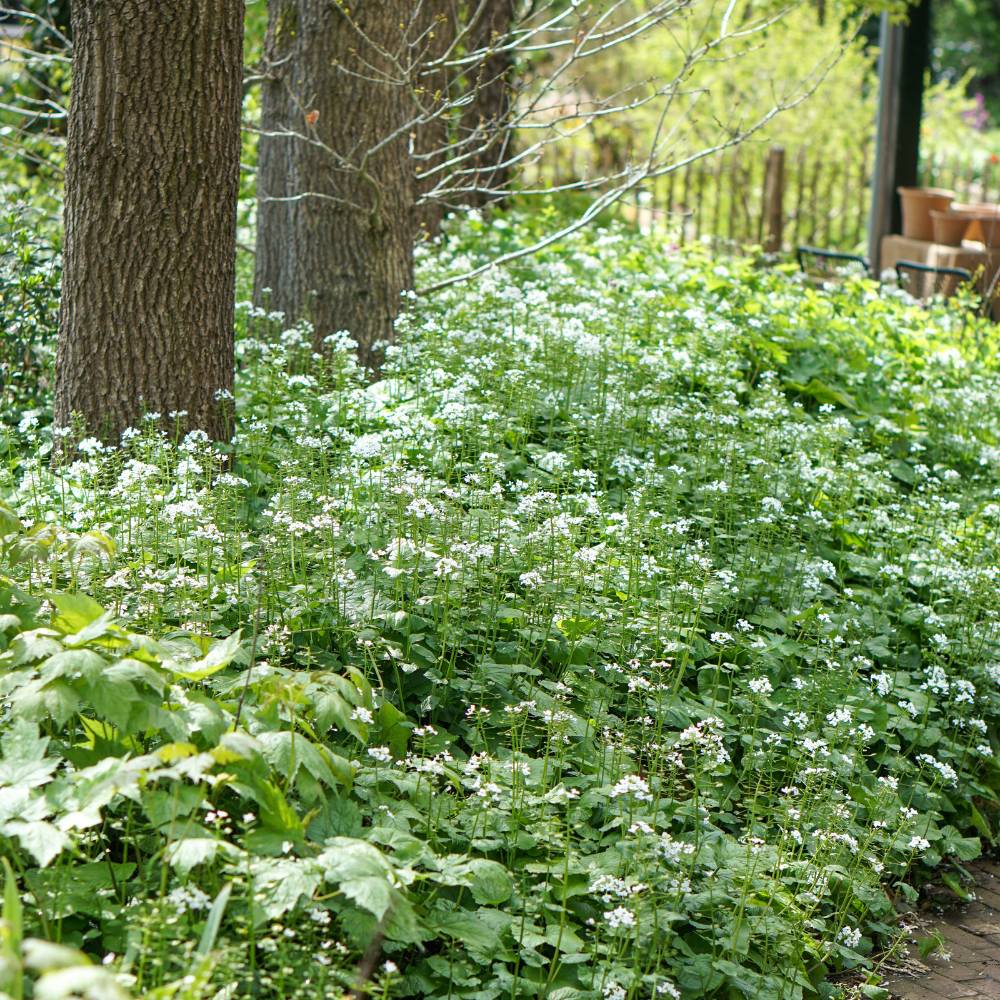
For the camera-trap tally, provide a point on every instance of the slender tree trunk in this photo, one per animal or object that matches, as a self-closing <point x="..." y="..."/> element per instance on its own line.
<point x="489" y="111"/>
<point x="152" y="180"/>
<point x="335" y="179"/>
<point x="435" y="32"/>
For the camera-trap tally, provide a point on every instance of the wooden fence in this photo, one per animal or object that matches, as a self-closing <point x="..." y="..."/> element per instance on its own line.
<point x="773" y="198"/>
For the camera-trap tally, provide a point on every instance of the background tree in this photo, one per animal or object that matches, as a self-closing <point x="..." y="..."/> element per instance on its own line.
<point x="485" y="119"/>
<point x="152" y="170"/>
<point x="378" y="117"/>
<point x="335" y="184"/>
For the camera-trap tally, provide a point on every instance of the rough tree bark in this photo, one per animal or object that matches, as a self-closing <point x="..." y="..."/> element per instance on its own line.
<point x="436" y="29"/>
<point x="151" y="187"/>
<point x="490" y="109"/>
<point x="335" y="182"/>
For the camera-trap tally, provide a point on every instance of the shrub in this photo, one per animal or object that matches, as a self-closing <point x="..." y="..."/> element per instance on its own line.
<point x="635" y="636"/>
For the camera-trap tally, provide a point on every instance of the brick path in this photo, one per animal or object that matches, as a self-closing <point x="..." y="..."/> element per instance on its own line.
<point x="972" y="936"/>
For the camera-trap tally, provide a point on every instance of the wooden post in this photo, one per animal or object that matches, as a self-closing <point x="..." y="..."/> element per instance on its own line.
<point x="903" y="58"/>
<point x="774" y="199"/>
<point x="884" y="180"/>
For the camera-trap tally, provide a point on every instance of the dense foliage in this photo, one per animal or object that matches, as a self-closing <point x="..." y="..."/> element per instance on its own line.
<point x="635" y="636"/>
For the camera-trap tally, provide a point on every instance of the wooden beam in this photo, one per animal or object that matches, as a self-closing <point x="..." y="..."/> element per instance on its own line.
<point x="890" y="60"/>
<point x="904" y="55"/>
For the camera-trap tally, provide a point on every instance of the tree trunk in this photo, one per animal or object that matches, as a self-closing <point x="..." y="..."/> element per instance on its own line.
<point x="435" y="33"/>
<point x="152" y="179"/>
<point x="488" y="114"/>
<point x="335" y="213"/>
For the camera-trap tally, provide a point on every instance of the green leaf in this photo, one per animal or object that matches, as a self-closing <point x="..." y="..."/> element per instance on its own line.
<point x="823" y="393"/>
<point x="287" y="752"/>
<point x="11" y="934"/>
<point x="214" y="922"/>
<point x="980" y="823"/>
<point x="491" y="882"/>
<point x="76" y="611"/>
<point x="956" y="887"/>
<point x="467" y="927"/>
<point x="66" y="890"/>
<point x="97" y="629"/>
<point x="874" y="992"/>
<point x="43" y="841"/>
<point x="24" y="762"/>
<point x="218" y="658"/>
<point x="10" y="523"/>
<point x="74" y="664"/>
<point x="393" y="729"/>
<point x="964" y="848"/>
<point x="280" y="883"/>
<point x="371" y="892"/>
<point x="9" y="623"/>
<point x="193" y="851"/>
<point x="902" y="471"/>
<point x="930" y="944"/>
<point x="12" y="912"/>
<point x="34" y="645"/>
<point x="365" y="876"/>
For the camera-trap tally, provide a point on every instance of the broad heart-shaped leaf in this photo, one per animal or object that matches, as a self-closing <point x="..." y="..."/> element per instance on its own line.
<point x="491" y="882"/>
<point x="41" y="840"/>
<point x="697" y="975"/>
<point x="76" y="612"/>
<point x="24" y="762"/>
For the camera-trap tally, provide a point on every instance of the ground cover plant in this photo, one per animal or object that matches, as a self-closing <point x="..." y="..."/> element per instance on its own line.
<point x="634" y="636"/>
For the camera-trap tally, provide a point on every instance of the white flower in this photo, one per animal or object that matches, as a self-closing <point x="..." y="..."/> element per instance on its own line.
<point x="761" y="685"/>
<point x="367" y="446"/>
<point x="620" y="916"/>
<point x="634" y="786"/>
<point x="446" y="568"/>
<point x="850" y="937"/>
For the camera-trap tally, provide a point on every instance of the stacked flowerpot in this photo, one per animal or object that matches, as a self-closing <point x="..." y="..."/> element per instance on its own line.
<point x="933" y="216"/>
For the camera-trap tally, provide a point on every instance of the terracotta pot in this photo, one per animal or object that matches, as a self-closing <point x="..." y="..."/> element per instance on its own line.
<point x="989" y="224"/>
<point x="949" y="227"/>
<point x="984" y="221"/>
<point x="918" y="203"/>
